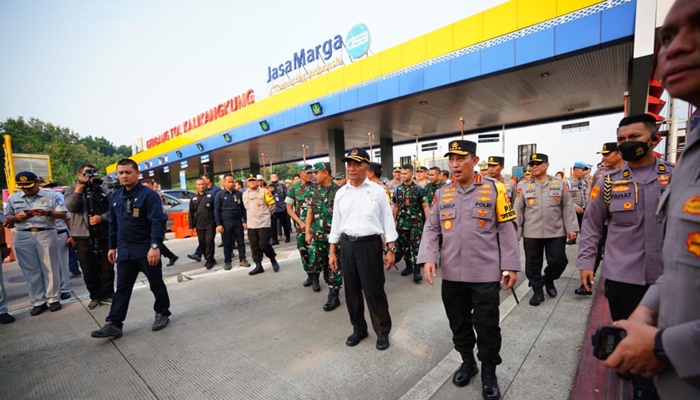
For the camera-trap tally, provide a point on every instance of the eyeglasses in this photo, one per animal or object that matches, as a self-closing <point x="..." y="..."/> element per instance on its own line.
<point x="535" y="163"/>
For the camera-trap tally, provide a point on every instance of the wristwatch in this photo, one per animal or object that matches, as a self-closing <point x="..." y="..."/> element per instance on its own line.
<point x="49" y="213"/>
<point x="392" y="249"/>
<point x="154" y="245"/>
<point x="659" y="348"/>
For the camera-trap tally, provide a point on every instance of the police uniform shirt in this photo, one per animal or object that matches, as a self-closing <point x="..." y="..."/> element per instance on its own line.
<point x="477" y="224"/>
<point x="579" y="192"/>
<point x="46" y="199"/>
<point x="362" y="211"/>
<point x="259" y="205"/>
<point x="635" y="233"/>
<point x="545" y="210"/>
<point x="136" y="222"/>
<point x="676" y="294"/>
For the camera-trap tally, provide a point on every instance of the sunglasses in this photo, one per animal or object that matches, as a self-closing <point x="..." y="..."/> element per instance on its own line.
<point x="535" y="163"/>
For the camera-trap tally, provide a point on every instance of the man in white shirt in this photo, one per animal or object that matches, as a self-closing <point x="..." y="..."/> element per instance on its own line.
<point x="361" y="215"/>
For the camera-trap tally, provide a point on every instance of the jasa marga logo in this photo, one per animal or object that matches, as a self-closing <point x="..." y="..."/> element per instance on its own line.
<point x="323" y="51"/>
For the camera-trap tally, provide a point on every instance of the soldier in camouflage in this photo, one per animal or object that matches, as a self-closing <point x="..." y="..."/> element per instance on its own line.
<point x="318" y="226"/>
<point x="408" y="213"/>
<point x="430" y="189"/>
<point x="298" y="201"/>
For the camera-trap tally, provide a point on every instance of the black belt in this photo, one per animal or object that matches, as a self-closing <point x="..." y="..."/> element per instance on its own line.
<point x="61" y="231"/>
<point x="36" y="229"/>
<point x="352" y="238"/>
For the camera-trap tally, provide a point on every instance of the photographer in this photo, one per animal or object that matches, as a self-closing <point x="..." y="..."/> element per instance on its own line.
<point x="89" y="203"/>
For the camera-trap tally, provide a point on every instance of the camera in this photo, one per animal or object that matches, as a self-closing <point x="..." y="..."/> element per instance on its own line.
<point x="605" y="339"/>
<point x="93" y="180"/>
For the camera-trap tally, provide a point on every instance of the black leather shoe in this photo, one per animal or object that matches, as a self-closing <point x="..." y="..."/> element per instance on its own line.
<point x="489" y="382"/>
<point x="38" y="310"/>
<point x="209" y="265"/>
<point x="65" y="296"/>
<point x="333" y="300"/>
<point x="53" y="307"/>
<point x="6" y="318"/>
<point x="537" y="298"/>
<point x="551" y="290"/>
<point x="160" y="322"/>
<point x="417" y="278"/>
<point x="109" y="330"/>
<point x="382" y="342"/>
<point x="581" y="291"/>
<point x="257" y="270"/>
<point x="355" y="338"/>
<point x="172" y="261"/>
<point x="275" y="265"/>
<point x="195" y="257"/>
<point x="308" y="280"/>
<point x="464" y="374"/>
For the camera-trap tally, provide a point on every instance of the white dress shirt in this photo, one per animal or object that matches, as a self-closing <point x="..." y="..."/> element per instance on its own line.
<point x="362" y="211"/>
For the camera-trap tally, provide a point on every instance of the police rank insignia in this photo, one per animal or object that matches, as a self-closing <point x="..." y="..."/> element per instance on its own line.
<point x="692" y="205"/>
<point x="627" y="205"/>
<point x="595" y="192"/>
<point x="531" y="202"/>
<point x="693" y="243"/>
<point x="482" y="223"/>
<point x="447" y="224"/>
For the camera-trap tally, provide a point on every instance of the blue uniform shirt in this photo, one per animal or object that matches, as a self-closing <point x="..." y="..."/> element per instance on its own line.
<point x="228" y="206"/>
<point x="136" y="221"/>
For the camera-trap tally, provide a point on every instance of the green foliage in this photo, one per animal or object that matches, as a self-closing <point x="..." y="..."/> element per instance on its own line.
<point x="66" y="148"/>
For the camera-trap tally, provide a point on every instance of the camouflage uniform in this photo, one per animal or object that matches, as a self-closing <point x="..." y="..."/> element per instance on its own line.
<point x="429" y="192"/>
<point x="299" y="196"/>
<point x="409" y="220"/>
<point x="322" y="207"/>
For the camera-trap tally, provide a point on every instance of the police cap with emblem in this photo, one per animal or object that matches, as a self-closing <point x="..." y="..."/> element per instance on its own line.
<point x="251" y="177"/>
<point x="541" y="157"/>
<point x="608" y="147"/>
<point x="25" y="179"/>
<point x="357" y="154"/>
<point x="495" y="160"/>
<point x="46" y="184"/>
<point x="422" y="169"/>
<point x="461" y="148"/>
<point x="397" y="169"/>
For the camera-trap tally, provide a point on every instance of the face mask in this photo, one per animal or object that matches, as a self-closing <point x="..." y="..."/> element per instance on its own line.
<point x="633" y="151"/>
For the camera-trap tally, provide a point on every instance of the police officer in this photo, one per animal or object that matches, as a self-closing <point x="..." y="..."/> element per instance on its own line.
<point x="318" y="226"/>
<point x="663" y="333"/>
<point x="578" y="186"/>
<point x="422" y="176"/>
<point x="230" y="216"/>
<point x="495" y="165"/>
<point x="395" y="181"/>
<point x="407" y="204"/>
<point x="89" y="203"/>
<point x="611" y="160"/>
<point x="202" y="219"/>
<point x="212" y="189"/>
<point x="5" y="251"/>
<point x="480" y="251"/>
<point x="259" y="205"/>
<point x="361" y="254"/>
<point x="164" y="250"/>
<point x="431" y="188"/>
<point x="546" y="218"/>
<point x="135" y="233"/>
<point x="34" y="211"/>
<point x="298" y="201"/>
<point x="627" y="198"/>
<point x="65" y="242"/>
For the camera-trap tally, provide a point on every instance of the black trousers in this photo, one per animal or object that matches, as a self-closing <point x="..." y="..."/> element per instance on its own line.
<point x="260" y="244"/>
<point x="98" y="272"/>
<point x="535" y="249"/>
<point x="206" y="242"/>
<point x="623" y="298"/>
<point x="233" y="235"/>
<point x="474" y="306"/>
<point x="283" y="218"/>
<point x="127" y="272"/>
<point x="363" y="272"/>
<point x="165" y="251"/>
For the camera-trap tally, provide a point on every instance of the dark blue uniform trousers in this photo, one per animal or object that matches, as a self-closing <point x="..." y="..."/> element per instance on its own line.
<point x="127" y="272"/>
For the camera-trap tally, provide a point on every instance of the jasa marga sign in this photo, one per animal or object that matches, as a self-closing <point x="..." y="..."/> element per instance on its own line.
<point x="323" y="51"/>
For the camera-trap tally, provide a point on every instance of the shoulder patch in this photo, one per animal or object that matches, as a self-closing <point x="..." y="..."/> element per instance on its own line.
<point x="595" y="192"/>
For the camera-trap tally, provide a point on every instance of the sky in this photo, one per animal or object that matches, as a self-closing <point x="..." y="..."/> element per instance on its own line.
<point x="128" y="69"/>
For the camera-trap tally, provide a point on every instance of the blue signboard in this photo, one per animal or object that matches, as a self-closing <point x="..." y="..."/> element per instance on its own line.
<point x="357" y="41"/>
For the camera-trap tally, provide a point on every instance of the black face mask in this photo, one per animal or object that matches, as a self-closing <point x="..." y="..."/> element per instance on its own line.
<point x="633" y="151"/>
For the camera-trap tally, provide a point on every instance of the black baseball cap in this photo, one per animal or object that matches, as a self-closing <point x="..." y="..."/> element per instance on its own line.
<point x="495" y="160"/>
<point x="461" y="148"/>
<point x="608" y="147"/>
<point x="357" y="154"/>
<point x="541" y="157"/>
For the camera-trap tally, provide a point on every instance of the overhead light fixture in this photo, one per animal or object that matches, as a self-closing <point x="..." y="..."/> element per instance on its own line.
<point x="316" y="109"/>
<point x="544" y="75"/>
<point x="227" y="138"/>
<point x="166" y="169"/>
<point x="178" y="153"/>
<point x="264" y="126"/>
<point x="422" y="102"/>
<point x="200" y="147"/>
<point x="348" y="120"/>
